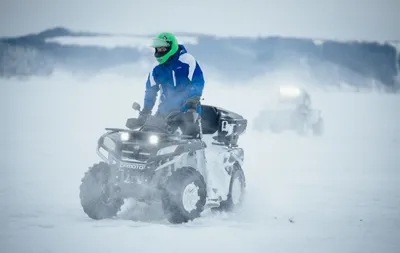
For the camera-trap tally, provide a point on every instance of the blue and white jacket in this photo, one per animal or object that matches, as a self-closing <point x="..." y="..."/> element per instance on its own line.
<point x="178" y="79"/>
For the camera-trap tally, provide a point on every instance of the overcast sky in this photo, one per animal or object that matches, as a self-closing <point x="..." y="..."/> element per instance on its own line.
<point x="337" y="19"/>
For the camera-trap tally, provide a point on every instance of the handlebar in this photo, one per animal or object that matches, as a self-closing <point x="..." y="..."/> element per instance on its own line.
<point x="158" y="122"/>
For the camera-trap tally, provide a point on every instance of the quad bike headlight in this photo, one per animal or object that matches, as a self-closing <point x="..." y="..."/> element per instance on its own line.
<point x="290" y="91"/>
<point x="153" y="139"/>
<point x="124" y="136"/>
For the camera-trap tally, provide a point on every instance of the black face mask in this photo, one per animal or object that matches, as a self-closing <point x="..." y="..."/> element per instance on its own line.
<point x="159" y="53"/>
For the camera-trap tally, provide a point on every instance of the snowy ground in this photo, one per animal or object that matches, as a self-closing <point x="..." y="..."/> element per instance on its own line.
<point x="338" y="193"/>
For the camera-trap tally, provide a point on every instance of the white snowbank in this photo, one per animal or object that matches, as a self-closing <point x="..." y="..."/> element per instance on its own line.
<point x="337" y="193"/>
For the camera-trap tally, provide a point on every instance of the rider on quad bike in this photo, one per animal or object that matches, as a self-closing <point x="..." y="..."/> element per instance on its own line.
<point x="291" y="111"/>
<point x="296" y="96"/>
<point x="180" y="79"/>
<point x="151" y="162"/>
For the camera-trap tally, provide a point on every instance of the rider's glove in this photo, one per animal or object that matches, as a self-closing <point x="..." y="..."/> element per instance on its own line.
<point x="192" y="102"/>
<point x="144" y="114"/>
<point x="192" y="115"/>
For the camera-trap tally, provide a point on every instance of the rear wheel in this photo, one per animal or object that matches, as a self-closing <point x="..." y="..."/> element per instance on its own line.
<point x="236" y="193"/>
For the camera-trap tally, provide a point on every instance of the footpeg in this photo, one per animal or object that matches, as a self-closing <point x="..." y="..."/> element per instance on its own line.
<point x="212" y="203"/>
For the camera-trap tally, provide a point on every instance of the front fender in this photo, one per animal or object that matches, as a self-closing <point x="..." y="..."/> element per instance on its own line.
<point x="314" y="116"/>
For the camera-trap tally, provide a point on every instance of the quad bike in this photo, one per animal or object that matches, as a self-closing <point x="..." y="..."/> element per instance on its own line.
<point x="292" y="111"/>
<point x="155" y="161"/>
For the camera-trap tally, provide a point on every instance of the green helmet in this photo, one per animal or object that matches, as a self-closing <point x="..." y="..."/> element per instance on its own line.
<point x="165" y="45"/>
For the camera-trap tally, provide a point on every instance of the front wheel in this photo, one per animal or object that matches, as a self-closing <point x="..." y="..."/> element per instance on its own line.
<point x="184" y="195"/>
<point x="95" y="193"/>
<point x="275" y="129"/>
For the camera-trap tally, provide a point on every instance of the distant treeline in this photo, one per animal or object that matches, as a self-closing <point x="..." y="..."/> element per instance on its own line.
<point x="235" y="58"/>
